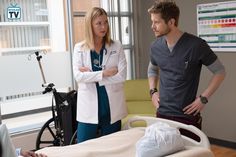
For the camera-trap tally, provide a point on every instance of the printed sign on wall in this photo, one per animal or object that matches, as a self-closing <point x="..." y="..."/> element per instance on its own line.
<point x="217" y="25"/>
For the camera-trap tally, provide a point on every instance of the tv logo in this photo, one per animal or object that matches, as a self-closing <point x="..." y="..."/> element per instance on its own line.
<point x="13" y="13"/>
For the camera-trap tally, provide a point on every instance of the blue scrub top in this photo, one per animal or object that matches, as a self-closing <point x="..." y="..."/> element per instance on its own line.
<point x="103" y="101"/>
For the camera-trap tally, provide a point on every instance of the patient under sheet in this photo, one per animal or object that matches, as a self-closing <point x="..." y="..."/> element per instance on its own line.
<point x="119" y="144"/>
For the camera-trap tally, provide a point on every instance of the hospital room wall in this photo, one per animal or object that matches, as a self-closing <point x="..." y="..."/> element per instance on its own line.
<point x="219" y="113"/>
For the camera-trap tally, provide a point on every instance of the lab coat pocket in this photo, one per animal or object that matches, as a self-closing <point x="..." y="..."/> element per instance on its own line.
<point x="86" y="86"/>
<point x="115" y="87"/>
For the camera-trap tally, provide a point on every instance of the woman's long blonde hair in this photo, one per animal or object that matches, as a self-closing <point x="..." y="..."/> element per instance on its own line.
<point x="89" y="37"/>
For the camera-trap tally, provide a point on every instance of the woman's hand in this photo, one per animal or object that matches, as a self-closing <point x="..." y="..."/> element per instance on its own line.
<point x="31" y="154"/>
<point x="110" y="72"/>
<point x="84" y="69"/>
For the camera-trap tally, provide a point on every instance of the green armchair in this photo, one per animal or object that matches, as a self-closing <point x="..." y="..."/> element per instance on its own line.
<point x="138" y="100"/>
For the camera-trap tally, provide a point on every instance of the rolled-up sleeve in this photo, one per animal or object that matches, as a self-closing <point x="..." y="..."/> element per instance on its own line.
<point x="153" y="70"/>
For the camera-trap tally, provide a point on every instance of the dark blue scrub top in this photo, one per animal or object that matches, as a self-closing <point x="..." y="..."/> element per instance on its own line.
<point x="103" y="101"/>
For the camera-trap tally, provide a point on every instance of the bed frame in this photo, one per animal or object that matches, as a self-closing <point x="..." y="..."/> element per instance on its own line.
<point x="123" y="143"/>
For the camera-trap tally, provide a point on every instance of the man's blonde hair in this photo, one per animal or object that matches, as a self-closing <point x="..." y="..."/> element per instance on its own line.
<point x="167" y="9"/>
<point x="89" y="37"/>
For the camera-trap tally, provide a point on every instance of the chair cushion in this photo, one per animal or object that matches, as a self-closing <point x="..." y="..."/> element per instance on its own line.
<point x="137" y="90"/>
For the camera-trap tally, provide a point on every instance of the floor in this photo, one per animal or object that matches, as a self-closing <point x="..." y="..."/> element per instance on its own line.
<point x="223" y="151"/>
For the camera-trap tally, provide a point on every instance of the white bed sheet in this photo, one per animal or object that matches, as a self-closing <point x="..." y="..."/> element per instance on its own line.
<point x="120" y="144"/>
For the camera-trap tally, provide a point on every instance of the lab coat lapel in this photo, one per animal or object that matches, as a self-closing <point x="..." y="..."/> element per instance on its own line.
<point x="88" y="58"/>
<point x="106" y="54"/>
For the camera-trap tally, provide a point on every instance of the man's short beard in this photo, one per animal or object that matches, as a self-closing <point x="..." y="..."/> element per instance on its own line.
<point x="167" y="31"/>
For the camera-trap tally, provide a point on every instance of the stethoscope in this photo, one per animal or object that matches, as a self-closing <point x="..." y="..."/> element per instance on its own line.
<point x="97" y="63"/>
<point x="103" y="65"/>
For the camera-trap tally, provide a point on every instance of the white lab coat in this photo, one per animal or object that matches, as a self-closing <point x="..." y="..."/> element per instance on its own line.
<point x="87" y="101"/>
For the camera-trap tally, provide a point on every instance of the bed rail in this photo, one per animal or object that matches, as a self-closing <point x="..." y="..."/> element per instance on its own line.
<point x="204" y="142"/>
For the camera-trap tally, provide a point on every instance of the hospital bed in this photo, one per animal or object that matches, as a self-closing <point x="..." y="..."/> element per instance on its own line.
<point x="122" y="144"/>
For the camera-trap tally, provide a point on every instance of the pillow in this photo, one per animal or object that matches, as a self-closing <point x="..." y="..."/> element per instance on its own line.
<point x="159" y="140"/>
<point x="8" y="150"/>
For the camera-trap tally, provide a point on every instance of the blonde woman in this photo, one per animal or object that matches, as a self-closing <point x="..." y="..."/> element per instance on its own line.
<point x="100" y="68"/>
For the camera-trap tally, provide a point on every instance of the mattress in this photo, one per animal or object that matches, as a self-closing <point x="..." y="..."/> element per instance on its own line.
<point x="119" y="144"/>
